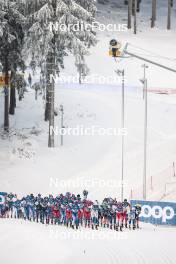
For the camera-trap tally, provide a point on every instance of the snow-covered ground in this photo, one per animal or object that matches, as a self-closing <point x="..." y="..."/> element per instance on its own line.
<point x="94" y="158"/>
<point x="35" y="243"/>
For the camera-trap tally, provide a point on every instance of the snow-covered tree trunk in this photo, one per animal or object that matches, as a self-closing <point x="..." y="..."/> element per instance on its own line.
<point x="153" y="19"/>
<point x="169" y="15"/>
<point x="129" y="13"/>
<point x="50" y="96"/>
<point x="47" y="104"/>
<point x="133" y="4"/>
<point x="138" y="5"/>
<point x="12" y="92"/>
<point x="6" y="95"/>
<point x="135" y="16"/>
<point x="80" y="77"/>
<point x="50" y="68"/>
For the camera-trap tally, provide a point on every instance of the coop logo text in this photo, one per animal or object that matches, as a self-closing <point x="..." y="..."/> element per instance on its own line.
<point x="157" y="212"/>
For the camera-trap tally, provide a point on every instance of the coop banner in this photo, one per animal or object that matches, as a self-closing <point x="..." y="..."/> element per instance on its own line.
<point x="160" y="213"/>
<point x="2" y="197"/>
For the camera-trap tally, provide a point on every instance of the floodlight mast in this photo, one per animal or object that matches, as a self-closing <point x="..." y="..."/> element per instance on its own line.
<point x="125" y="51"/>
<point x="146" y="60"/>
<point x="144" y="81"/>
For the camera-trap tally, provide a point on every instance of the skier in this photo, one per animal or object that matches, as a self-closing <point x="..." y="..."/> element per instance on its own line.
<point x="44" y="210"/>
<point x="114" y="214"/>
<point x="111" y="216"/>
<point x="63" y="214"/>
<point x="3" y="206"/>
<point x="87" y="216"/>
<point x="31" y="208"/>
<point x="100" y="215"/>
<point x="69" y="218"/>
<point x="49" y="213"/>
<point x="80" y="215"/>
<point x="75" y="221"/>
<point x="38" y="207"/>
<point x="119" y="215"/>
<point x="94" y="216"/>
<point x="9" y="198"/>
<point x="16" y="208"/>
<point x="126" y="209"/>
<point x="137" y="213"/>
<point x="132" y="218"/>
<point x="56" y="214"/>
<point x="104" y="212"/>
<point x="23" y="206"/>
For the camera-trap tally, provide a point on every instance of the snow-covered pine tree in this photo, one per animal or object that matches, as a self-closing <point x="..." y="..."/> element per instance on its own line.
<point x="49" y="43"/>
<point x="79" y="53"/>
<point x="89" y="5"/>
<point x="11" y="39"/>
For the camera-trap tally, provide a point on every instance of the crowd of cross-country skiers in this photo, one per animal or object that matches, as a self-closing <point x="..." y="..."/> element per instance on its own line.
<point x="72" y="211"/>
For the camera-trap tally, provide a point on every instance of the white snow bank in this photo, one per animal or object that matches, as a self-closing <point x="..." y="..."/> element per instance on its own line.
<point x="24" y="242"/>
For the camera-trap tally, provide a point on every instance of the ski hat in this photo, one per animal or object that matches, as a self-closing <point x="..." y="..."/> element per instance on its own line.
<point x="137" y="205"/>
